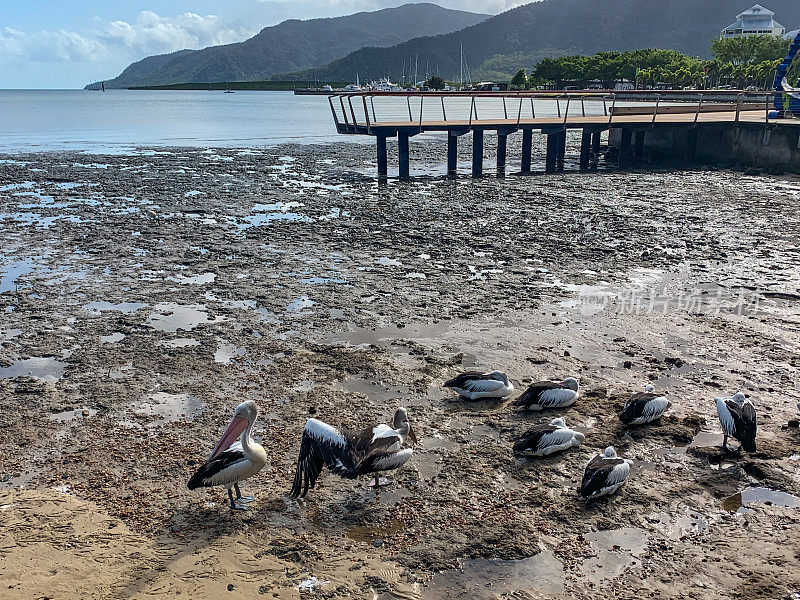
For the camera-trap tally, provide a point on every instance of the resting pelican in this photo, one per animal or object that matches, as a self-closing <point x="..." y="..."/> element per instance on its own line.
<point x="644" y="407"/>
<point x="737" y="415"/>
<point x="232" y="462"/>
<point x="549" y="394"/>
<point x="475" y="385"/>
<point x="351" y="454"/>
<point x="543" y="440"/>
<point x="604" y="474"/>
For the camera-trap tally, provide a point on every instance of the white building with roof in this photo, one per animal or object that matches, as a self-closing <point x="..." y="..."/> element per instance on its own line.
<point x="756" y="20"/>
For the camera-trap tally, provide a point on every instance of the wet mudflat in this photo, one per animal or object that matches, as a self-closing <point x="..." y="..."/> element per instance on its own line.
<point x="143" y="296"/>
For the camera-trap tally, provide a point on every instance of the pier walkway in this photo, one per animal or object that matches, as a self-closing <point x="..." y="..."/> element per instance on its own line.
<point x="630" y="114"/>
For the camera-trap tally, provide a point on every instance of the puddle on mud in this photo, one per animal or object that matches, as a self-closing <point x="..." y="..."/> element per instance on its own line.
<point x="299" y="305"/>
<point x="200" y="279"/>
<point x="8" y="279"/>
<point x="180" y="343"/>
<point x="167" y="408"/>
<point x="489" y="579"/>
<point x="73" y="414"/>
<point x="20" y="481"/>
<point x="112" y="338"/>
<point x="678" y="526"/>
<point x="226" y="352"/>
<point x="366" y="533"/>
<point x="104" y="306"/>
<point x="759" y="495"/>
<point x="9" y="334"/>
<point x="170" y="317"/>
<point x="616" y="549"/>
<point x="44" y="368"/>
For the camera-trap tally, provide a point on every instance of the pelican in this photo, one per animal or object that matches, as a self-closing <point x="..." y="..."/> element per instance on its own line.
<point x="549" y="394"/>
<point x="351" y="454"/>
<point x="604" y="474"/>
<point x="737" y="415"/>
<point x="233" y="461"/>
<point x="644" y="407"/>
<point x="475" y="385"/>
<point x="547" y="439"/>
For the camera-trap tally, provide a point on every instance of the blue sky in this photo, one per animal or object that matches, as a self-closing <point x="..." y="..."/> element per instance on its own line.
<point x="67" y="44"/>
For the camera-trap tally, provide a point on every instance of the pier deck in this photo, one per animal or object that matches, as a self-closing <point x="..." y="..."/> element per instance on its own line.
<point x="404" y="115"/>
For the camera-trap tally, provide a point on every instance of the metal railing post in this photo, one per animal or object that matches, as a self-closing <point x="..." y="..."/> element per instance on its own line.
<point x="372" y="103"/>
<point x="558" y="107"/>
<point x="613" y="104"/>
<point x="738" y="107"/>
<point x="699" y="107"/>
<point x="344" y="112"/>
<point x="421" y="100"/>
<point x="408" y="101"/>
<point x="583" y="107"/>
<point x="471" y="107"/>
<point x="366" y="114"/>
<point x="333" y="111"/>
<point x="444" y="114"/>
<point x="352" y="111"/>
<point x="566" y="111"/>
<point x="519" y="114"/>
<point x="505" y="112"/>
<point x="655" y="109"/>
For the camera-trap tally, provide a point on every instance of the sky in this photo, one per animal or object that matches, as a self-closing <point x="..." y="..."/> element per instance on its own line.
<point x="57" y="44"/>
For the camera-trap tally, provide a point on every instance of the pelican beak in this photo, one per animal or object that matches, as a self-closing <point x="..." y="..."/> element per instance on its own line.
<point x="411" y="434"/>
<point x="232" y="433"/>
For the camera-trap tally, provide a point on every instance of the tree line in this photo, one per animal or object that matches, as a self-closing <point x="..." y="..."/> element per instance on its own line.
<point x="738" y="62"/>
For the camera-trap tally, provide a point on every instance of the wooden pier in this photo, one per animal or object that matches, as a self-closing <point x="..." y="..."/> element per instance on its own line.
<point x="641" y="115"/>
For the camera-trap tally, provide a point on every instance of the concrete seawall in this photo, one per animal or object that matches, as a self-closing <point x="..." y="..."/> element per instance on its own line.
<point x="775" y="148"/>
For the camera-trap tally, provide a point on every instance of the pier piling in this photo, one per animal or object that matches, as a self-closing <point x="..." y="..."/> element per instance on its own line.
<point x="502" y="146"/>
<point x="452" y="154"/>
<point x="383" y="167"/>
<point x="402" y="155"/>
<point x="477" y="153"/>
<point x="624" y="159"/>
<point x="638" y="148"/>
<point x="552" y="152"/>
<point x="595" y="159"/>
<point x="586" y="148"/>
<point x="527" y="149"/>
<point x="562" y="149"/>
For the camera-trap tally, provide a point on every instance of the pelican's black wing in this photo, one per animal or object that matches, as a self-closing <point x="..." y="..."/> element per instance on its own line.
<point x="321" y="445"/>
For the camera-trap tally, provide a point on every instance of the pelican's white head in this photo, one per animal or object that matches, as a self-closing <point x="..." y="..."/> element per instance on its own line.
<point x="243" y="417"/>
<point x="558" y="422"/>
<point x="650" y="388"/>
<point x="571" y="383"/>
<point x="739" y="398"/>
<point x="403" y="425"/>
<point x="610" y="452"/>
<point x="499" y="376"/>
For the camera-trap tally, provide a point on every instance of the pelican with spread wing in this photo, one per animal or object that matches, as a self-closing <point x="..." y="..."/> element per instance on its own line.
<point x="350" y="454"/>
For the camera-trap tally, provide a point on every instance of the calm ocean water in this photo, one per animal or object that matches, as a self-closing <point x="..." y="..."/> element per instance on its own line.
<point x="118" y="120"/>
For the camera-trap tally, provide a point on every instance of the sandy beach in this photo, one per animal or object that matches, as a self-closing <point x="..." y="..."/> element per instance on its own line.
<point x="143" y="296"/>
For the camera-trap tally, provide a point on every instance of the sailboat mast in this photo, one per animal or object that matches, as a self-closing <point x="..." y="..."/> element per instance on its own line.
<point x="461" y="64"/>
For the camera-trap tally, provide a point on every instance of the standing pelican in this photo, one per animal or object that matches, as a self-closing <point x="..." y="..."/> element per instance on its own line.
<point x="543" y="440"/>
<point x="475" y="385"/>
<point x="604" y="474"/>
<point x="737" y="415"/>
<point x="351" y="454"/>
<point x="644" y="407"/>
<point x="233" y="461"/>
<point x="549" y="394"/>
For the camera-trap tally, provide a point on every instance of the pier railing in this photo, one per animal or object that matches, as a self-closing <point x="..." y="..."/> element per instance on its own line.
<point x="371" y="112"/>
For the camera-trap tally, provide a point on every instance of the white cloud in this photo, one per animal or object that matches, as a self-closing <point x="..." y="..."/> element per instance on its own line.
<point x="149" y="34"/>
